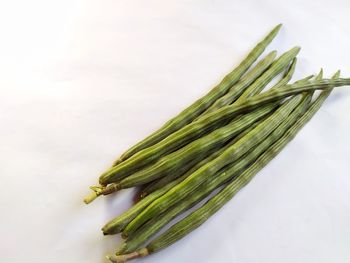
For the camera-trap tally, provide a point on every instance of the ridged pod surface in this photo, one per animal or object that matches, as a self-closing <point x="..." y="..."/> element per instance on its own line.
<point x="170" y="163"/>
<point x="192" y="130"/>
<point x="165" y="180"/>
<point x="236" y="90"/>
<point x="281" y="83"/>
<point x="234" y="152"/>
<point x="287" y="76"/>
<point x="277" y="67"/>
<point x="154" y="191"/>
<point x="157" y="184"/>
<point x="137" y="238"/>
<point x="198" y="217"/>
<point x="193" y="111"/>
<point x="117" y="224"/>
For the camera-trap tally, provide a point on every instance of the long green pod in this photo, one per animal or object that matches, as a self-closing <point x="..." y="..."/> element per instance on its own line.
<point x="141" y="235"/>
<point x="190" y="131"/>
<point x="165" y="180"/>
<point x="183" y="169"/>
<point x="158" y="183"/>
<point x="234" y="93"/>
<point x="234" y="152"/>
<point x="198" y="217"/>
<point x="118" y="224"/>
<point x="169" y="164"/>
<point x="236" y="90"/>
<point x="319" y="76"/>
<point x="277" y="67"/>
<point x="151" y="187"/>
<point x="285" y="79"/>
<point x="191" y="112"/>
<point x="173" y="161"/>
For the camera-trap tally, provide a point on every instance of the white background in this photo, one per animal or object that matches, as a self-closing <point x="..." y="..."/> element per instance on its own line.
<point x="81" y="81"/>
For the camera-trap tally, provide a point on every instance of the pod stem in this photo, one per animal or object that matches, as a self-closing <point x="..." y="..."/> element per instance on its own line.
<point x="109" y="189"/>
<point x="123" y="258"/>
<point x="97" y="190"/>
<point x="89" y="198"/>
<point x="100" y="190"/>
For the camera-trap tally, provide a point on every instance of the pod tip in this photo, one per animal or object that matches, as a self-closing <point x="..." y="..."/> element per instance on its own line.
<point x="297" y="48"/>
<point x="279" y="26"/>
<point x="320" y="74"/>
<point x="273" y="53"/>
<point x="125" y="257"/>
<point x="336" y="74"/>
<point x="275" y="30"/>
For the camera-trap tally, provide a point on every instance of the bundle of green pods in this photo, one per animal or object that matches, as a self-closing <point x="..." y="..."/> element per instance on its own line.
<point x="210" y="150"/>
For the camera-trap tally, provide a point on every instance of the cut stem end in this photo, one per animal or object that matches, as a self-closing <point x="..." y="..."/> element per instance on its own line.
<point x="123" y="258"/>
<point x="97" y="191"/>
<point x="91" y="197"/>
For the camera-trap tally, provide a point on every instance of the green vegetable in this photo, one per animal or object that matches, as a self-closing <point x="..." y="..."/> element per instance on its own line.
<point x="198" y="217"/>
<point x="157" y="184"/>
<point x="118" y="224"/>
<point x="234" y="152"/>
<point x="137" y="238"/>
<point x="193" y="111"/>
<point x="169" y="164"/>
<point x="236" y="90"/>
<point x="197" y="128"/>
<point x="172" y="162"/>
<point x="276" y="68"/>
<point x="159" y="188"/>
<point x="287" y="75"/>
<point x="192" y="130"/>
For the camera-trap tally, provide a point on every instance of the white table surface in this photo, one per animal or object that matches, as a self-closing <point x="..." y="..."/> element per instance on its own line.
<point x="81" y="81"/>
